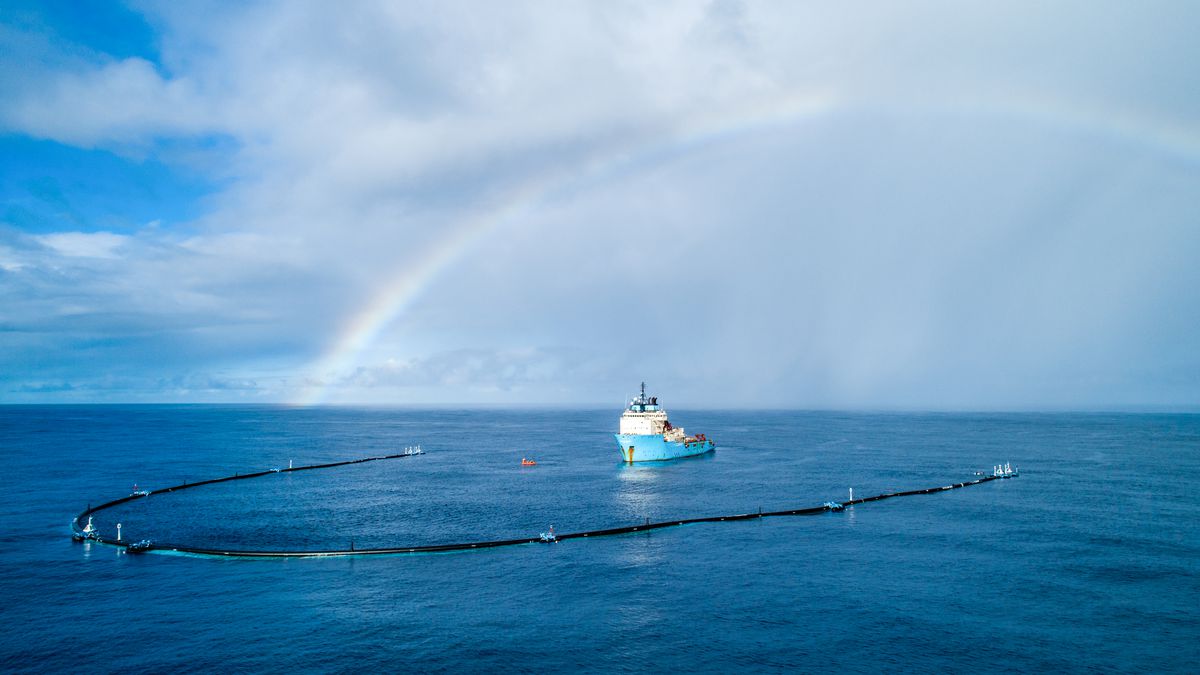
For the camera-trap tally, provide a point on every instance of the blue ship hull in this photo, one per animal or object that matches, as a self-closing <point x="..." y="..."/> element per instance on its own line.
<point x="654" y="448"/>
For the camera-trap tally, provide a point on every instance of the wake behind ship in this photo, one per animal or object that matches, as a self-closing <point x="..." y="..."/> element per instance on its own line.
<point x="646" y="435"/>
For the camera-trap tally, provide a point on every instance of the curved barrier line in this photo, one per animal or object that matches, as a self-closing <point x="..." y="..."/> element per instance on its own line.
<point x="77" y="531"/>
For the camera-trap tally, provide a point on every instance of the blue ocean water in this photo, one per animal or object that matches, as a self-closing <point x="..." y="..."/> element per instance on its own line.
<point x="1090" y="561"/>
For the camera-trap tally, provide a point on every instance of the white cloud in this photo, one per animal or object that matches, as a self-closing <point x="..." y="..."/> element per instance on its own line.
<point x="85" y="244"/>
<point x="814" y="257"/>
<point x="115" y="103"/>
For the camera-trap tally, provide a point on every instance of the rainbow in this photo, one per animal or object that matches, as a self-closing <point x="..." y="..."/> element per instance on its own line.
<point x="401" y="291"/>
<point x="407" y="286"/>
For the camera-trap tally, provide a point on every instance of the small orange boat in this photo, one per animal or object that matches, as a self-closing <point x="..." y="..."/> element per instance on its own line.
<point x="528" y="462"/>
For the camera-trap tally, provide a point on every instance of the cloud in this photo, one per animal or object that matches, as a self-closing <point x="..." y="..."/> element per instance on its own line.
<point x="119" y="102"/>
<point x="472" y="367"/>
<point x="932" y="204"/>
<point x="146" y="309"/>
<point x="84" y="245"/>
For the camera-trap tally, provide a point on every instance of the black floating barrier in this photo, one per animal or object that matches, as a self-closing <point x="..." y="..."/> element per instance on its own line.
<point x="77" y="530"/>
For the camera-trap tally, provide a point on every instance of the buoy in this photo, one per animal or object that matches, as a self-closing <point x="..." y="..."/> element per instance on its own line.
<point x="851" y="494"/>
<point x="118" y="532"/>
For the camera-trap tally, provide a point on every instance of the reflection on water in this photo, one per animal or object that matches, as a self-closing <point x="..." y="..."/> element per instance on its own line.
<point x="641" y="485"/>
<point x="645" y="552"/>
<point x="651" y="491"/>
<point x="638" y="496"/>
<point x="637" y="492"/>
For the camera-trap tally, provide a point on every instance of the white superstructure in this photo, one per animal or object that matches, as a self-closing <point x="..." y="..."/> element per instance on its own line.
<point x="644" y="417"/>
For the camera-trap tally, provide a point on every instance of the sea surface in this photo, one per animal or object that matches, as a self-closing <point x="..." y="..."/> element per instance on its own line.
<point x="1088" y="562"/>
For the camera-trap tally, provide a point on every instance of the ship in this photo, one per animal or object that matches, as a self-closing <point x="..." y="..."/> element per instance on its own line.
<point x="646" y="435"/>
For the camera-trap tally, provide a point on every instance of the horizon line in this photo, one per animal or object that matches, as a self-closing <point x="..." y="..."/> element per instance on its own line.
<point x="1149" y="409"/>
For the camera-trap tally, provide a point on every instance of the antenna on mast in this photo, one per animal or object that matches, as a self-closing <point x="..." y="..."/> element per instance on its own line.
<point x="643" y="390"/>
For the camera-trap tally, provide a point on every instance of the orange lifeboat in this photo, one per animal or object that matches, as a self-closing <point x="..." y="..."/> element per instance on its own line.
<point x="527" y="462"/>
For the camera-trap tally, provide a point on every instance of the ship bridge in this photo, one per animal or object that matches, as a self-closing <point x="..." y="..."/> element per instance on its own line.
<point x="644" y="416"/>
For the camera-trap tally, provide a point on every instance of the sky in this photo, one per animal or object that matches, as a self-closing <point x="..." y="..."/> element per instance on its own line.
<point x="919" y="205"/>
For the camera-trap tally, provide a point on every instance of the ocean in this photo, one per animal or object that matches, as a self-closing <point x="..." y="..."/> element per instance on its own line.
<point x="1088" y="562"/>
